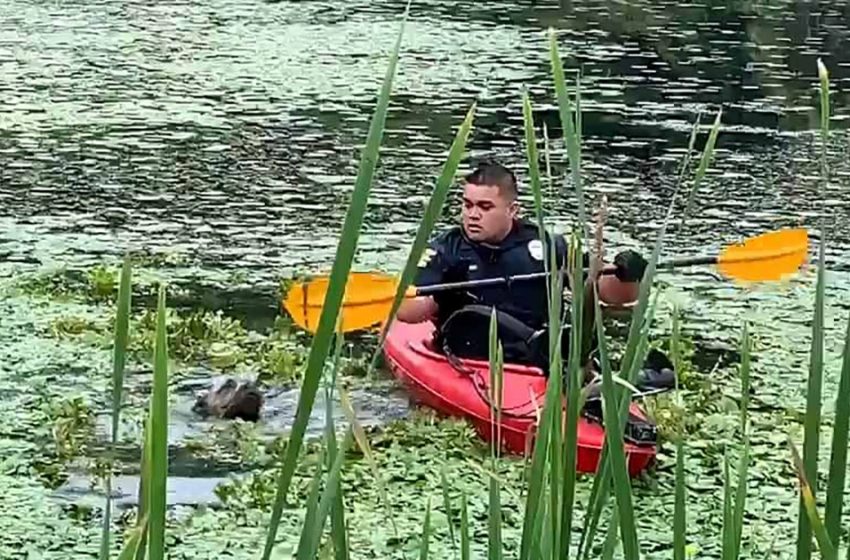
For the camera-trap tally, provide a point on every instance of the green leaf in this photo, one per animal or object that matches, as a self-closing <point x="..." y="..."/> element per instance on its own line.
<point x="329" y="494"/>
<point x="838" y="460"/>
<point x="746" y="349"/>
<point x="494" y="513"/>
<point x="159" y="436"/>
<point x="338" y="527"/>
<point x="333" y="300"/>
<point x="119" y="361"/>
<point x="131" y="547"/>
<point x="811" y="442"/>
<point x="571" y="136"/>
<point x="495" y="507"/>
<point x="740" y="498"/>
<point x="728" y="518"/>
<point x="610" y="545"/>
<point x="464" y="528"/>
<point x="311" y="512"/>
<point x="573" y="390"/>
<point x="616" y="453"/>
<point x="827" y="549"/>
<point x="707" y="154"/>
<point x="533" y="166"/>
<point x="426" y="533"/>
<point x="363" y="443"/>
<point x="144" y="490"/>
<point x="547" y="158"/>
<point x="632" y="359"/>
<point x="447" y="505"/>
<point x="679" y="511"/>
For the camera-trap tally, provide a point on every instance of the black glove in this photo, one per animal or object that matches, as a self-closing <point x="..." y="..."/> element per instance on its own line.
<point x="630" y="266"/>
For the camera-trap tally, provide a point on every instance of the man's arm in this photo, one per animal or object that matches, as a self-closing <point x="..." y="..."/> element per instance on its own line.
<point x="417" y="310"/>
<point x="424" y="308"/>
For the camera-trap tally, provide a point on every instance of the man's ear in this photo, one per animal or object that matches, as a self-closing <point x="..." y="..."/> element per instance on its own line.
<point x="514" y="208"/>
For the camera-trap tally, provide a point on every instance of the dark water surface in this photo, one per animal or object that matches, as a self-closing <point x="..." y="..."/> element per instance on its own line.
<point x="227" y="135"/>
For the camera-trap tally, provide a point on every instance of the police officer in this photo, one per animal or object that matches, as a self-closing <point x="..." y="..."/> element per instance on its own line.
<point x="493" y="242"/>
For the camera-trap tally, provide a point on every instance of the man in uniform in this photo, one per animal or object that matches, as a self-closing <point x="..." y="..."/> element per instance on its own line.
<point x="493" y="242"/>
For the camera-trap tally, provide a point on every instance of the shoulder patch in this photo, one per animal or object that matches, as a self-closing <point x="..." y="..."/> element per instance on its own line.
<point x="426" y="256"/>
<point x="535" y="249"/>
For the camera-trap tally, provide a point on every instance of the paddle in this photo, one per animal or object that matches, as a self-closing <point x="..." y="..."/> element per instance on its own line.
<point x="369" y="295"/>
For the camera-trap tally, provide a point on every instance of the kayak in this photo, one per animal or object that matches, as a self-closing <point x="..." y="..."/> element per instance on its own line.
<point x="460" y="388"/>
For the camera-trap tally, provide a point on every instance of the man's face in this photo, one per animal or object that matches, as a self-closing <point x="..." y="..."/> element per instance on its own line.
<point x="487" y="214"/>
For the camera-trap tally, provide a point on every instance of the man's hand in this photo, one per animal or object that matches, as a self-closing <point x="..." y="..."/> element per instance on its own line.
<point x="630" y="266"/>
<point x="454" y="299"/>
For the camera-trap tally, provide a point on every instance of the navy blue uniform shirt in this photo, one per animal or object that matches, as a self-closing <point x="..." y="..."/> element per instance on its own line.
<point x="452" y="256"/>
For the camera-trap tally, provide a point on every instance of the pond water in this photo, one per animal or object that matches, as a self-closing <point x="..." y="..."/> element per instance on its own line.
<point x="223" y="138"/>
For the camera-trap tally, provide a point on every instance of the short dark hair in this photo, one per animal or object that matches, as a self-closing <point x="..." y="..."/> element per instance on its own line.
<point x="494" y="174"/>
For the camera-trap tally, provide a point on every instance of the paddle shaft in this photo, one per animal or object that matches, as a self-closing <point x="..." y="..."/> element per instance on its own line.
<point x="508" y="280"/>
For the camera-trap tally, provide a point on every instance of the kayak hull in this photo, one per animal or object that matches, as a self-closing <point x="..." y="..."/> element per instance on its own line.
<point x="436" y="383"/>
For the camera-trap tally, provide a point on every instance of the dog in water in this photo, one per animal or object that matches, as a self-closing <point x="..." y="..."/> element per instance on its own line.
<point x="229" y="398"/>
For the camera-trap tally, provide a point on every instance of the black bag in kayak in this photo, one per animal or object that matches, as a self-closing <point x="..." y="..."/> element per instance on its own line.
<point x="466" y="334"/>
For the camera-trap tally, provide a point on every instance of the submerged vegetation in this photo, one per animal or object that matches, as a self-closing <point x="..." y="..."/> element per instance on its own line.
<point x="427" y="486"/>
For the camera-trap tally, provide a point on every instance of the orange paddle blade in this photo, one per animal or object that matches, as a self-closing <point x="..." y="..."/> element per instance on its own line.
<point x="769" y="256"/>
<point x="367" y="301"/>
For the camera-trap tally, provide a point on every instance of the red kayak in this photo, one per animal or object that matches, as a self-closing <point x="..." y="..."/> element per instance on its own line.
<point x="437" y="383"/>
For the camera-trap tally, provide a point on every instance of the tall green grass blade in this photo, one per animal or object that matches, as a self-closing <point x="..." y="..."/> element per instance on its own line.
<point x="336" y="289"/>
<point x="159" y="436"/>
<point x="311" y="511"/>
<point x="465" y="549"/>
<point x="616" y="455"/>
<point x="556" y="460"/>
<point x="679" y="508"/>
<point x="737" y="520"/>
<point x="676" y="350"/>
<point x="495" y="506"/>
<point x="838" y="460"/>
<point x="548" y="159"/>
<point x="811" y="442"/>
<point x="144" y="491"/>
<point x="827" y="549"/>
<point x="495" y="357"/>
<point x="579" y="122"/>
<point x="119" y="361"/>
<point x="740" y="499"/>
<point x="686" y="161"/>
<point x="631" y="363"/>
<point x="704" y="162"/>
<point x="728" y="518"/>
<point x="131" y="547"/>
<point x="536" y="497"/>
<point x="495" y="521"/>
<point x="338" y="531"/>
<point x="426" y="533"/>
<point x="568" y="123"/>
<point x="746" y="349"/>
<point x="610" y="544"/>
<point x="823" y="76"/>
<point x="326" y="503"/>
<point x="429" y="219"/>
<point x="447" y="505"/>
<point x="533" y="166"/>
<point x="573" y="390"/>
<point x="601" y="488"/>
<point x="363" y="444"/>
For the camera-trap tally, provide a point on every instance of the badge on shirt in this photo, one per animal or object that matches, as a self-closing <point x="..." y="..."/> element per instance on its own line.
<point x="426" y="256"/>
<point x="535" y="249"/>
